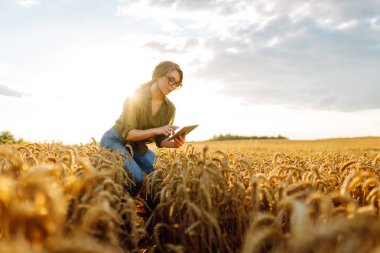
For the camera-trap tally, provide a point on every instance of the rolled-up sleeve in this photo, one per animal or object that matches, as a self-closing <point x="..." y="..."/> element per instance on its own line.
<point x="158" y="139"/>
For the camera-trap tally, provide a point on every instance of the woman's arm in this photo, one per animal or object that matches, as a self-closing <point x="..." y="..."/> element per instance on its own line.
<point x="139" y="135"/>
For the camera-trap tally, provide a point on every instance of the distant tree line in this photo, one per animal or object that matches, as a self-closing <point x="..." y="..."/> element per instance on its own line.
<point x="7" y="137"/>
<point x="225" y="137"/>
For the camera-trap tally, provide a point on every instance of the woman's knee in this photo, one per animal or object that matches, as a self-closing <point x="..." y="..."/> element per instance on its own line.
<point x="146" y="161"/>
<point x="112" y="139"/>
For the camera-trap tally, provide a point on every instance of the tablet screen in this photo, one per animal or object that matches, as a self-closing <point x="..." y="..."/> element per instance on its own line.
<point x="183" y="131"/>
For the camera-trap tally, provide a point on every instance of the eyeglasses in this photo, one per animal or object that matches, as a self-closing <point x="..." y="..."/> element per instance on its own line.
<point x="173" y="83"/>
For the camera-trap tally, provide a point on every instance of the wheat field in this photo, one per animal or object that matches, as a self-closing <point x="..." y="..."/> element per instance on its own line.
<point x="232" y="196"/>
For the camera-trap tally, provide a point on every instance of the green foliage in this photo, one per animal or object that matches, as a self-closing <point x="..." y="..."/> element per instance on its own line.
<point x="7" y="137"/>
<point x="225" y="137"/>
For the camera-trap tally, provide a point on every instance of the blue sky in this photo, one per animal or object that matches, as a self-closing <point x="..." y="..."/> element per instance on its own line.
<point x="302" y="69"/>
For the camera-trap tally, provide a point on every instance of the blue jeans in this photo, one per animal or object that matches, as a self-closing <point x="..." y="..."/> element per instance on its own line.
<point x="140" y="163"/>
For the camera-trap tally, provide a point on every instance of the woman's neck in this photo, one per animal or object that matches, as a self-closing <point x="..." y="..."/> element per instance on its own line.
<point x="156" y="92"/>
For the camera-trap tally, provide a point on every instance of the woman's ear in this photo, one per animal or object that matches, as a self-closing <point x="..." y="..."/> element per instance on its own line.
<point x="157" y="79"/>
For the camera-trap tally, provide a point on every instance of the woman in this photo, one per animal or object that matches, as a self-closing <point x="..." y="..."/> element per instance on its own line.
<point x="147" y="116"/>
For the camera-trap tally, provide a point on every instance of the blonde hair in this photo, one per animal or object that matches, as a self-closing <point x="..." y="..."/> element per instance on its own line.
<point x="161" y="70"/>
<point x="165" y="67"/>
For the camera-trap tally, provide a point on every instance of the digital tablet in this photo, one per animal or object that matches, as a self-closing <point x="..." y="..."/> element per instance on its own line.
<point x="183" y="131"/>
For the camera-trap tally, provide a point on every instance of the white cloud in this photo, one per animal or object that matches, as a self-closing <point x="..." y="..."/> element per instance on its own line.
<point x="142" y="10"/>
<point x="28" y="3"/>
<point x="348" y="25"/>
<point x="207" y="16"/>
<point x="274" y="41"/>
<point x="375" y="23"/>
<point x="5" y="90"/>
<point x="305" y="54"/>
<point x="189" y="51"/>
<point x="300" y="12"/>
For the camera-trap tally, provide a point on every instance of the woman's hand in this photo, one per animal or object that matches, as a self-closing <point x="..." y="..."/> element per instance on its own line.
<point x="179" y="141"/>
<point x="176" y="143"/>
<point x="166" y="130"/>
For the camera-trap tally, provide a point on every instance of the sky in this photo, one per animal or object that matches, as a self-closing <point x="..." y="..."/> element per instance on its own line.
<point x="297" y="68"/>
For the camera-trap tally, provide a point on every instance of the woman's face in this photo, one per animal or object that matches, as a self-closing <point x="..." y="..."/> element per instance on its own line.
<point x="169" y="82"/>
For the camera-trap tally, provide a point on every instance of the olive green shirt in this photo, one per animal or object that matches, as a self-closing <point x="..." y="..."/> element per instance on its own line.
<point x="137" y="114"/>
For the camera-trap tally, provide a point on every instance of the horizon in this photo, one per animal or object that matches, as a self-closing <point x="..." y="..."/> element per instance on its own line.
<point x="248" y="138"/>
<point x="303" y="70"/>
